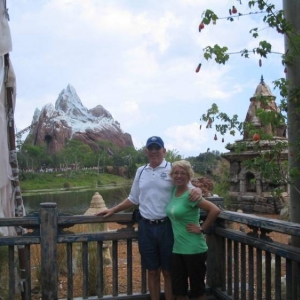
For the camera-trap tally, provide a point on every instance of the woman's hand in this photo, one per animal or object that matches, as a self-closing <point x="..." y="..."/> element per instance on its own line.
<point x="193" y="228"/>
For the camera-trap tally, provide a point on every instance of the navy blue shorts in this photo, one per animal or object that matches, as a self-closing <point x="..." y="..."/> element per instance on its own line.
<point x="155" y="245"/>
<point x="189" y="268"/>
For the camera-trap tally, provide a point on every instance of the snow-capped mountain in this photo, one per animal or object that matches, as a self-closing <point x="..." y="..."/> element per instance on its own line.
<point x="69" y="119"/>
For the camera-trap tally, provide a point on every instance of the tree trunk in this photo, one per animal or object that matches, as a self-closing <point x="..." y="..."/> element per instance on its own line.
<point x="292" y="13"/>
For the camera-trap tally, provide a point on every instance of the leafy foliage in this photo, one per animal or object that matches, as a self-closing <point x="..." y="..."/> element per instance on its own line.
<point x="172" y="155"/>
<point x="205" y="163"/>
<point x="267" y="162"/>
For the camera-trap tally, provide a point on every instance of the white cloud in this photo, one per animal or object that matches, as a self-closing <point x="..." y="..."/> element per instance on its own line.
<point x="186" y="139"/>
<point x="138" y="60"/>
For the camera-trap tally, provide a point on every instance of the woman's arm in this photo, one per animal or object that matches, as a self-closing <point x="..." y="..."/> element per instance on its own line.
<point x="212" y="213"/>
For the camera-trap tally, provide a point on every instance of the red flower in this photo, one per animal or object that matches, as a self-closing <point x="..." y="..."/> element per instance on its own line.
<point x="256" y="137"/>
<point x="201" y="26"/>
<point x="198" y="68"/>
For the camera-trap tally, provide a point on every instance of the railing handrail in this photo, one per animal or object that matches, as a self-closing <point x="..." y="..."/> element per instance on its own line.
<point x="70" y="220"/>
<point x="23" y="221"/>
<point x="281" y="226"/>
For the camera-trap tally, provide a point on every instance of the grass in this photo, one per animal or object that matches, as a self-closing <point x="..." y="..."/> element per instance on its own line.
<point x="69" y="180"/>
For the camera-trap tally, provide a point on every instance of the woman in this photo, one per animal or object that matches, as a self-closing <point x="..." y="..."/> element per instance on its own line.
<point x="190" y="248"/>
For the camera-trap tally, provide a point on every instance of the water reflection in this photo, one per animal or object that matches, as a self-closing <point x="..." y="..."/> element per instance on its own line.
<point x="75" y="202"/>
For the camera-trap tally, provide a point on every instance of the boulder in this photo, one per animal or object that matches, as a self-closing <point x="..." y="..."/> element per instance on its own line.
<point x="205" y="184"/>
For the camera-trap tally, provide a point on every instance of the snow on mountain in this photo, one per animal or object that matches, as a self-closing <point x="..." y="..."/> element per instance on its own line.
<point x="69" y="119"/>
<point x="68" y="107"/>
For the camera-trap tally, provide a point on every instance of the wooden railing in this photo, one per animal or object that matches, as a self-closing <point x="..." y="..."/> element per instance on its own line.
<point x="243" y="264"/>
<point x="247" y="263"/>
<point x="50" y="230"/>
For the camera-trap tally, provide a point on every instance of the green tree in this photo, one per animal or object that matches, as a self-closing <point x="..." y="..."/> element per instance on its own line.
<point x="172" y="155"/>
<point x="32" y="157"/>
<point x="205" y="163"/>
<point x="141" y="158"/>
<point x="76" y="153"/>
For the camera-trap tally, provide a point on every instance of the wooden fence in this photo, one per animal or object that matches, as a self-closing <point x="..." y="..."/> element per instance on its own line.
<point x="243" y="261"/>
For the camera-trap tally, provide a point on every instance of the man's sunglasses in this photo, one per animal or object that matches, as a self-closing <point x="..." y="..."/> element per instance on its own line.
<point x="154" y="147"/>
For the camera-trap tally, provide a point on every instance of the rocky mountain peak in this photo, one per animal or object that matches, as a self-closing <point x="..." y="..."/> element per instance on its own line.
<point x="69" y="102"/>
<point x="70" y="119"/>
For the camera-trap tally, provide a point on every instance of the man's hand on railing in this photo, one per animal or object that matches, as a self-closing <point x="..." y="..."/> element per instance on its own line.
<point x="105" y="213"/>
<point x="125" y="204"/>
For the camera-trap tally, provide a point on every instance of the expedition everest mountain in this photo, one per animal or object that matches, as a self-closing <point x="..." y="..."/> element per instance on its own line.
<point x="69" y="119"/>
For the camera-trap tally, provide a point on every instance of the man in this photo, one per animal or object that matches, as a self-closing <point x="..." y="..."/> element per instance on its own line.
<point x="152" y="190"/>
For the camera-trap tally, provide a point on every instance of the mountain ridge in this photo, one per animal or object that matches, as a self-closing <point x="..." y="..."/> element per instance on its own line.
<point x="70" y="119"/>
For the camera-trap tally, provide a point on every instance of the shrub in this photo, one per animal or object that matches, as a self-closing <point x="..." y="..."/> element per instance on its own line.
<point x="67" y="185"/>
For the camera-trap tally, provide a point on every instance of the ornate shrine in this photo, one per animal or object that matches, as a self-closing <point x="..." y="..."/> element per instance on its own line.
<point x="249" y="191"/>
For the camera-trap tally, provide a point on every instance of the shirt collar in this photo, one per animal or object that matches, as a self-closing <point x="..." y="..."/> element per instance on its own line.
<point x="162" y="165"/>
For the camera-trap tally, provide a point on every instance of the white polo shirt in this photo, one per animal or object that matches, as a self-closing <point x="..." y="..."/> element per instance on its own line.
<point x="152" y="190"/>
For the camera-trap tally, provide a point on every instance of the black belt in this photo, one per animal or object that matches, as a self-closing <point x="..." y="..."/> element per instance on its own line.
<point x="159" y="221"/>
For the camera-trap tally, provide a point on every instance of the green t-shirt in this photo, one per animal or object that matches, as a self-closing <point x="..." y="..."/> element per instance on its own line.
<point x="181" y="211"/>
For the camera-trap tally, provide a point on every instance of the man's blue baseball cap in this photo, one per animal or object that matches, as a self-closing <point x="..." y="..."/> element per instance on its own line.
<point x="155" y="140"/>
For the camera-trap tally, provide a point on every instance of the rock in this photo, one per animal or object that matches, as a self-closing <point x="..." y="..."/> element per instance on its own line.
<point x="285" y="213"/>
<point x="120" y="171"/>
<point x="205" y="184"/>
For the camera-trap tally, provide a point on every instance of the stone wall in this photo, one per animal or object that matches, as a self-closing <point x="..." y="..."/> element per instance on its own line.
<point x="253" y="203"/>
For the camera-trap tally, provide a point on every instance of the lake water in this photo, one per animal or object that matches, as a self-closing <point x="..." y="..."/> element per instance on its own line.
<point x="75" y="202"/>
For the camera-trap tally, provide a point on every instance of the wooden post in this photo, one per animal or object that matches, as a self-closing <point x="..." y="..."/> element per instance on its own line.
<point x="215" y="260"/>
<point x="49" y="233"/>
<point x="215" y="275"/>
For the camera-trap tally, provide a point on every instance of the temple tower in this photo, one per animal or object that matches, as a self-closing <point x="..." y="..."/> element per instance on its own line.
<point x="249" y="191"/>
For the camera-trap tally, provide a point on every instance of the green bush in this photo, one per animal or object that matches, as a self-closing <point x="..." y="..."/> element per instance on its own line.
<point x="67" y="185"/>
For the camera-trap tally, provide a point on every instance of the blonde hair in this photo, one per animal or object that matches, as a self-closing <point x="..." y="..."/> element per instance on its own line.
<point x="185" y="165"/>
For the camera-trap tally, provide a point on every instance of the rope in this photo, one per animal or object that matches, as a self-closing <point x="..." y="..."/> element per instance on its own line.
<point x="13" y="156"/>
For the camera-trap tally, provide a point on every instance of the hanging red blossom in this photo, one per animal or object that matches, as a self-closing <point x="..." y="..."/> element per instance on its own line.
<point x="201" y="26"/>
<point x="234" y="10"/>
<point x="215" y="138"/>
<point x="256" y="137"/>
<point x="198" y="68"/>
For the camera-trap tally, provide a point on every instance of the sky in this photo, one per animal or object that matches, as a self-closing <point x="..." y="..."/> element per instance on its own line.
<point x="137" y="59"/>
